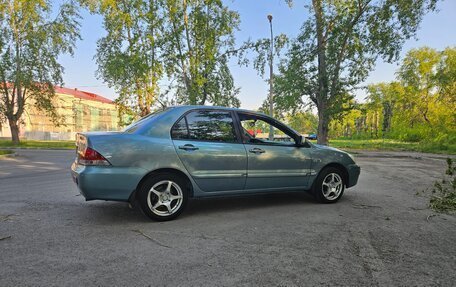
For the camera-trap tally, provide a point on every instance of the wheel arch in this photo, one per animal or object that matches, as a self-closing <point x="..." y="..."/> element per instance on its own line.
<point x="340" y="167"/>
<point x="163" y="170"/>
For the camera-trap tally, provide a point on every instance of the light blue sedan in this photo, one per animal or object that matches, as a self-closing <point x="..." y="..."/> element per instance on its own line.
<point x="166" y="158"/>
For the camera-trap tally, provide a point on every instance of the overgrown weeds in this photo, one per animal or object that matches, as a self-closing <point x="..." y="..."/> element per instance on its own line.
<point x="443" y="192"/>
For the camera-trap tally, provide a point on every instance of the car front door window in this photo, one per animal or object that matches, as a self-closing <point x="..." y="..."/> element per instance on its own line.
<point x="258" y="131"/>
<point x="275" y="160"/>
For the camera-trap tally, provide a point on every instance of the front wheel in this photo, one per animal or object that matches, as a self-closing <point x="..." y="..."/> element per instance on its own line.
<point x="329" y="185"/>
<point x="163" y="197"/>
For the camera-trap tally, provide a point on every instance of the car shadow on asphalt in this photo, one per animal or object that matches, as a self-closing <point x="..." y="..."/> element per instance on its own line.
<point x="106" y="213"/>
<point x="110" y="213"/>
<point x="247" y="202"/>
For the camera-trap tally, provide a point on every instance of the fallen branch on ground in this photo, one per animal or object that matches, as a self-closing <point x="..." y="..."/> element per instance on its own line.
<point x="6" y="217"/>
<point x="150" y="238"/>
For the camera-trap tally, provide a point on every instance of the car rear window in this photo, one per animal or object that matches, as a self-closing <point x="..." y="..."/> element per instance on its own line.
<point x="139" y="123"/>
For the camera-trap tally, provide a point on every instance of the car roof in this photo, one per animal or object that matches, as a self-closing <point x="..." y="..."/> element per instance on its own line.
<point x="192" y="107"/>
<point x="185" y="108"/>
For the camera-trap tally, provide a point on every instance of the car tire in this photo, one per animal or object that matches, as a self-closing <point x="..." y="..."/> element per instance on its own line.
<point x="163" y="196"/>
<point x="329" y="185"/>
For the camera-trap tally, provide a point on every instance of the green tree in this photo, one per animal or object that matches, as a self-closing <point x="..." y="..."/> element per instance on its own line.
<point x="160" y="47"/>
<point x="130" y="57"/>
<point x="427" y="108"/>
<point x="417" y="75"/>
<point x="446" y="74"/>
<point x="30" y="45"/>
<point x="338" y="46"/>
<point x="419" y="106"/>
<point x="201" y="43"/>
<point x="303" y="122"/>
<point x="382" y="98"/>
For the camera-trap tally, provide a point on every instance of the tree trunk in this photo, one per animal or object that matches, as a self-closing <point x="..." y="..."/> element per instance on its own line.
<point x="376" y="124"/>
<point x="387" y="114"/>
<point x="14" y="127"/>
<point x="323" y="123"/>
<point x="205" y="92"/>
<point x="322" y="95"/>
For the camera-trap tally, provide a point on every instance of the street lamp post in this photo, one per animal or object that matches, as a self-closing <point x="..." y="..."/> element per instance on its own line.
<point x="271" y="79"/>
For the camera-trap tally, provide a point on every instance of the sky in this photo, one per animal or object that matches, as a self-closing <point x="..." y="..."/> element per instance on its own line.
<point x="437" y="30"/>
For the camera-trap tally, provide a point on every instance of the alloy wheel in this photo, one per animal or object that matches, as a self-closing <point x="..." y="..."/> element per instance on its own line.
<point x="332" y="186"/>
<point x="165" y="198"/>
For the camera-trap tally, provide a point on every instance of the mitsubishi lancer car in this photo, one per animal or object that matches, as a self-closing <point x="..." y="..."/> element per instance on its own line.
<point x="185" y="152"/>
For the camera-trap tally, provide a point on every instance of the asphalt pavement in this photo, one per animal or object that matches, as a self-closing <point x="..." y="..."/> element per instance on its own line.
<point x="380" y="233"/>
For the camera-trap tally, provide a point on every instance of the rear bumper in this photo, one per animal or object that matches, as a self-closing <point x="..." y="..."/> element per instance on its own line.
<point x="353" y="174"/>
<point x="106" y="182"/>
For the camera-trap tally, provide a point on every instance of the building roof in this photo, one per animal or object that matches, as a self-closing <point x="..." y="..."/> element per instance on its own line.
<point x="83" y="95"/>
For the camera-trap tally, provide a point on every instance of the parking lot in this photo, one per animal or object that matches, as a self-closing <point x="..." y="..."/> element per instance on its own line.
<point x="380" y="233"/>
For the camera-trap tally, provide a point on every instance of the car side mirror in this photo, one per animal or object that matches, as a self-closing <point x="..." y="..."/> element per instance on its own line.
<point x="302" y="142"/>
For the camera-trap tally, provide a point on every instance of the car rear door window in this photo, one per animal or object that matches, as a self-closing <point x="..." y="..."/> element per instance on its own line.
<point x="206" y="126"/>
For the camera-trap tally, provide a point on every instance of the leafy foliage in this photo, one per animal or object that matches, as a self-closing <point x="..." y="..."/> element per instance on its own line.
<point x="130" y="57"/>
<point x="443" y="197"/>
<point x="30" y="45"/>
<point x="201" y="42"/>
<point x="303" y="122"/>
<point x="154" y="49"/>
<point x="337" y="48"/>
<point x="419" y="107"/>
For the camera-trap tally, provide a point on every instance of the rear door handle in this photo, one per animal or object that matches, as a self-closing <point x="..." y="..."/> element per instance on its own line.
<point x="256" y="150"/>
<point x="188" y="147"/>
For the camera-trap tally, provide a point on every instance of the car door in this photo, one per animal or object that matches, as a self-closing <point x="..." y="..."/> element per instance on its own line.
<point x="274" y="159"/>
<point x="211" y="150"/>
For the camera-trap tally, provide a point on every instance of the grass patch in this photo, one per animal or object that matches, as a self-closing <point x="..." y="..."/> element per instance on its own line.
<point x="38" y="144"/>
<point x="5" y="151"/>
<point x="391" y="145"/>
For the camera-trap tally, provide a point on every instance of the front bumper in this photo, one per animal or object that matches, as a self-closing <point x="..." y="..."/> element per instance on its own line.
<point x="106" y="182"/>
<point x="353" y="174"/>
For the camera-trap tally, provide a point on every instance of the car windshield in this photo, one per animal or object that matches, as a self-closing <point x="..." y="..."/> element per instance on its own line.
<point x="135" y="125"/>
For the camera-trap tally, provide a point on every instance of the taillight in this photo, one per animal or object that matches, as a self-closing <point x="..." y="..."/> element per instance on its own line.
<point x="91" y="157"/>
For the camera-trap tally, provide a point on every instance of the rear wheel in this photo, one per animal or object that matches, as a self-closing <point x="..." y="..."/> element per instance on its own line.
<point x="329" y="185"/>
<point x="163" y="196"/>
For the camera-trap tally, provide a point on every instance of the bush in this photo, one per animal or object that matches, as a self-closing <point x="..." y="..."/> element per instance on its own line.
<point x="411" y="136"/>
<point x="441" y="141"/>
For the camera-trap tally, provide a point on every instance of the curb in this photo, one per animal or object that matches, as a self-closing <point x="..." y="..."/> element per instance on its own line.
<point x="392" y="154"/>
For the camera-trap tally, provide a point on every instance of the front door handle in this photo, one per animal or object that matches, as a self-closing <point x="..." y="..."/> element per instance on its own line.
<point x="188" y="147"/>
<point x="257" y="150"/>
